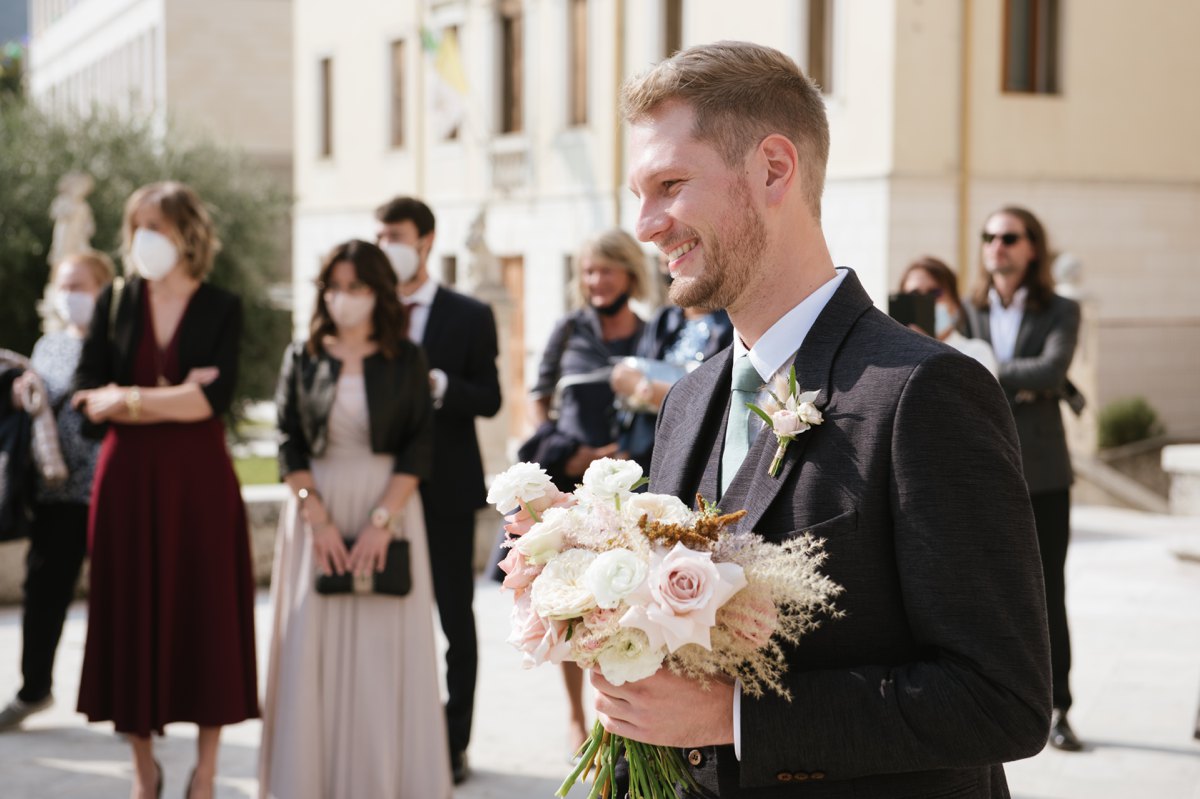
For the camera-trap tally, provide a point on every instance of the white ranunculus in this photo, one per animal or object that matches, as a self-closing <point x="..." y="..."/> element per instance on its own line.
<point x="614" y="575"/>
<point x="545" y="539"/>
<point x="521" y="483"/>
<point x="629" y="657"/>
<point x="664" y="508"/>
<point x="559" y="592"/>
<point x="609" y="478"/>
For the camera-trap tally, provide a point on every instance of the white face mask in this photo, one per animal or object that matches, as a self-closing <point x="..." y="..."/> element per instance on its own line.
<point x="943" y="320"/>
<point x="349" y="310"/>
<point x="74" y="307"/>
<point x="405" y="260"/>
<point x="153" y="254"/>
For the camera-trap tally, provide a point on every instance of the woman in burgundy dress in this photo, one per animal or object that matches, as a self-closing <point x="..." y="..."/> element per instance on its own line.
<point x="171" y="603"/>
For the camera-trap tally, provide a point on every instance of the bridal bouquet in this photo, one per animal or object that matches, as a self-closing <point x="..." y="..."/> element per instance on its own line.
<point x="630" y="583"/>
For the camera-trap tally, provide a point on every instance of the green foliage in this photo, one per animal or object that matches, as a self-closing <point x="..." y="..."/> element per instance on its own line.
<point x="12" y="70"/>
<point x="248" y="206"/>
<point x="1127" y="420"/>
<point x="256" y="470"/>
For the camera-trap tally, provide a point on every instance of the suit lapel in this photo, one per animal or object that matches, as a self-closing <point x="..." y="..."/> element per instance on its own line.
<point x="688" y="466"/>
<point x="814" y="366"/>
<point x="1030" y="322"/>
<point x="984" y="318"/>
<point x="436" y="320"/>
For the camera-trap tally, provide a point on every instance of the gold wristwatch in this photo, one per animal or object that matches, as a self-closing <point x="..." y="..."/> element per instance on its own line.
<point x="384" y="519"/>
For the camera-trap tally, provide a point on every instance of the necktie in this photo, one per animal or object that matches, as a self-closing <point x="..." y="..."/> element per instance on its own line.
<point x="409" y="307"/>
<point x="738" y="432"/>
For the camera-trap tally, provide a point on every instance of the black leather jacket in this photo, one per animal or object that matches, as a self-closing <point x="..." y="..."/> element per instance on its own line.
<point x="398" y="404"/>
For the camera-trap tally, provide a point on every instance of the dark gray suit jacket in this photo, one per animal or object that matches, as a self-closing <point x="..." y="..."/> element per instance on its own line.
<point x="1045" y="345"/>
<point x="939" y="671"/>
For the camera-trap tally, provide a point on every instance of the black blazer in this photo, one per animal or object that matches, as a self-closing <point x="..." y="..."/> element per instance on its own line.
<point x="1034" y="382"/>
<point x="939" y="670"/>
<point x="209" y="335"/>
<point x="398" y="405"/>
<point x="460" y="339"/>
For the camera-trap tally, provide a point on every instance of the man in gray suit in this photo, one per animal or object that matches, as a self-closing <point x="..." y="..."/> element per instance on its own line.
<point x="1033" y="332"/>
<point x="939" y="670"/>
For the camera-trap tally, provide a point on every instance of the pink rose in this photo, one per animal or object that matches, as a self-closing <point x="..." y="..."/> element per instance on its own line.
<point x="537" y="639"/>
<point x="518" y="573"/>
<point x="520" y="522"/>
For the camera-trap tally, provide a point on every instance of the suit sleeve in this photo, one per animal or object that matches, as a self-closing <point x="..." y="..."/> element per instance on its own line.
<point x="414" y="451"/>
<point x="476" y="391"/>
<point x="294" y="450"/>
<point x="219" y="392"/>
<point x="1048" y="369"/>
<point x="976" y="690"/>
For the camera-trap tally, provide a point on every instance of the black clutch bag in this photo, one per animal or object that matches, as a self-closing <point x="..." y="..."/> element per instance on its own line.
<point x="394" y="580"/>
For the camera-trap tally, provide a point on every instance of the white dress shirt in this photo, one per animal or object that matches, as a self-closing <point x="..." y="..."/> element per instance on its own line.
<point x="775" y="349"/>
<point x="1005" y="323"/>
<point x="418" y="304"/>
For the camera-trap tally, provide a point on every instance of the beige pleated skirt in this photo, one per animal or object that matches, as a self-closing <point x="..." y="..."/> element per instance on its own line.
<point x="352" y="707"/>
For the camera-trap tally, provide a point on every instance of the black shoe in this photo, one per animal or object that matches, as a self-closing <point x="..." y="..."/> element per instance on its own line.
<point x="458" y="767"/>
<point x="1062" y="737"/>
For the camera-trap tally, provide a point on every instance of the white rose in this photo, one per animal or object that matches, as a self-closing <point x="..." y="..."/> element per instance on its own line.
<point x="787" y="423"/>
<point x="629" y="657"/>
<point x="559" y="591"/>
<point x="609" y="478"/>
<point x="523" y="482"/>
<point x="808" y="412"/>
<point x="545" y="539"/>
<point x="663" y="508"/>
<point x="614" y="575"/>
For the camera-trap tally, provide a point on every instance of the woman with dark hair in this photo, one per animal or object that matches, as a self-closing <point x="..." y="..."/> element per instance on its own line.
<point x="352" y="704"/>
<point x="171" y="599"/>
<point x="1033" y="332"/>
<point x="928" y="275"/>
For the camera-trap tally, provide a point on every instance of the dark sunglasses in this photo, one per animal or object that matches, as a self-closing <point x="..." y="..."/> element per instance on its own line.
<point x="1007" y="239"/>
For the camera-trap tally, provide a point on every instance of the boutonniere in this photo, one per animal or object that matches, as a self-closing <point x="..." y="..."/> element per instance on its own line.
<point x="788" y="412"/>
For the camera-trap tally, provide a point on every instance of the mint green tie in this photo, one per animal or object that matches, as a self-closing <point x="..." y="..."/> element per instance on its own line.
<point x="738" y="435"/>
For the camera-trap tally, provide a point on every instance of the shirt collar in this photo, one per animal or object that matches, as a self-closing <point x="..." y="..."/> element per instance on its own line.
<point x="784" y="338"/>
<point x="1018" y="301"/>
<point x="424" y="295"/>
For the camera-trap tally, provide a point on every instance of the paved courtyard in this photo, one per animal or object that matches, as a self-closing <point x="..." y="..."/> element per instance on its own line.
<point x="1135" y="613"/>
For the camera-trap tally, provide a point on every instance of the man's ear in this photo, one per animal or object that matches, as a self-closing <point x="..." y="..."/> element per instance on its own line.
<point x="425" y="245"/>
<point x="782" y="166"/>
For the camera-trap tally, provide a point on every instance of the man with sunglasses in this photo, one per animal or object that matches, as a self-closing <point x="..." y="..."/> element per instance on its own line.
<point x="1033" y="332"/>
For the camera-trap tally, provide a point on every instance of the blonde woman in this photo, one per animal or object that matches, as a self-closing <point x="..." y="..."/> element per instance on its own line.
<point x="171" y="605"/>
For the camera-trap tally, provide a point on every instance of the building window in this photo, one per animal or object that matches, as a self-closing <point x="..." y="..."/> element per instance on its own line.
<point x="325" y="107"/>
<point x="672" y="27"/>
<point x="450" y="270"/>
<point x="1031" y="46"/>
<point x="820" y="44"/>
<point x="397" y="75"/>
<point x="577" y="56"/>
<point x="512" y="67"/>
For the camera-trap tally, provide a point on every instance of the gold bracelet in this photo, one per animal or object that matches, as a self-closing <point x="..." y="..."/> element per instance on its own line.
<point x="133" y="403"/>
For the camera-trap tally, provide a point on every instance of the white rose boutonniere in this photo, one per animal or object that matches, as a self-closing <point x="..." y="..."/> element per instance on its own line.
<point x="788" y="412"/>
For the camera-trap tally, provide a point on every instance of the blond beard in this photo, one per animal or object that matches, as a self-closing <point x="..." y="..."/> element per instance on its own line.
<point x="729" y="264"/>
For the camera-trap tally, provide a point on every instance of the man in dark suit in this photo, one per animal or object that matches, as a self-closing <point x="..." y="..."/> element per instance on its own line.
<point x="459" y="337"/>
<point x="1033" y="332"/>
<point x="939" y="671"/>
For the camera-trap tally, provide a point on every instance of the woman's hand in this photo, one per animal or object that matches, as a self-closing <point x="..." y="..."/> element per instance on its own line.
<point x="328" y="549"/>
<point x="99" y="404"/>
<point x="625" y="379"/>
<point x="369" y="552"/>
<point x="21" y="389"/>
<point x="202" y="375"/>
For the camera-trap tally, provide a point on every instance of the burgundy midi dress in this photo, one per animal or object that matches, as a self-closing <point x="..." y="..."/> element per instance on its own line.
<point x="171" y="599"/>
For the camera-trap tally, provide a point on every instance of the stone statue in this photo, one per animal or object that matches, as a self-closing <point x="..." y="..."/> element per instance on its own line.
<point x="1067" y="270"/>
<point x="483" y="271"/>
<point x="73" y="221"/>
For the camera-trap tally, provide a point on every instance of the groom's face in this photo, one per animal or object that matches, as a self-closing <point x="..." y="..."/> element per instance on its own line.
<point x="695" y="208"/>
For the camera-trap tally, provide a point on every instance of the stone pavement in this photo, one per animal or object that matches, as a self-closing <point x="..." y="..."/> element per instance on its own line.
<point x="1135" y="616"/>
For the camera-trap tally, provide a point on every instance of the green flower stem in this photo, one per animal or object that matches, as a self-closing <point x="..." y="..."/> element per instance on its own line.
<point x="654" y="771"/>
<point x="532" y="513"/>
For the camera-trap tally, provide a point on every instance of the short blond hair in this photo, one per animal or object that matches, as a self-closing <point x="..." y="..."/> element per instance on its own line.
<point x="622" y="249"/>
<point x="99" y="264"/>
<point x="182" y="207"/>
<point x="740" y="93"/>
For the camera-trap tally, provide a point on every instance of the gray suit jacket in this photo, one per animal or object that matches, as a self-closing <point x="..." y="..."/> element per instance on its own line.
<point x="939" y="670"/>
<point x="1045" y="345"/>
